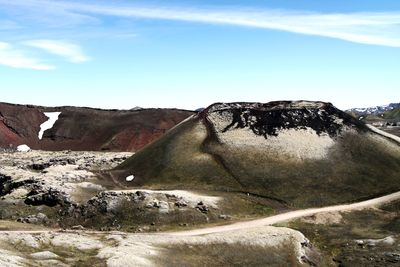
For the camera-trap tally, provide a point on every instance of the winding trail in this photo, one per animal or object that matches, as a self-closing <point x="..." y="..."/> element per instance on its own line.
<point x="384" y="134"/>
<point x="284" y="217"/>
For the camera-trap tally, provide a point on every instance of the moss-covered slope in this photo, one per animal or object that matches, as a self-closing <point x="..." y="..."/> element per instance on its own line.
<point x="301" y="153"/>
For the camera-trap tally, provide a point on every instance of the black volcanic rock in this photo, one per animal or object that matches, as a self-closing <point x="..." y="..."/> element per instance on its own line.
<point x="270" y="118"/>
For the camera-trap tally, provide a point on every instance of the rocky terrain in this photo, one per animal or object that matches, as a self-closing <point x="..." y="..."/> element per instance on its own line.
<point x="85" y="129"/>
<point x="302" y="154"/>
<point x="62" y="190"/>
<point x="238" y="184"/>
<point x="56" y="211"/>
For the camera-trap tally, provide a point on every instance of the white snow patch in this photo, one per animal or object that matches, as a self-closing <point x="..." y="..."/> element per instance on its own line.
<point x="23" y="148"/>
<point x="130" y="178"/>
<point x="53" y="117"/>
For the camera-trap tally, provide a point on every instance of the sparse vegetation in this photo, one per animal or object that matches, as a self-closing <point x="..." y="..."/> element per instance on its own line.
<point x="137" y="217"/>
<point x="358" y="166"/>
<point x="225" y="254"/>
<point x="338" y="241"/>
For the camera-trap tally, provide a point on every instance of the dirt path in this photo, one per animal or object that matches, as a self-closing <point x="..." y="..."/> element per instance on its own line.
<point x="289" y="216"/>
<point x="385" y="134"/>
<point x="248" y="224"/>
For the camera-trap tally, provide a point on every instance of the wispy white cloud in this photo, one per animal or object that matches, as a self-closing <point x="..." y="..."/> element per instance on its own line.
<point x="379" y="28"/>
<point x="12" y="57"/>
<point x="69" y="51"/>
<point x="366" y="28"/>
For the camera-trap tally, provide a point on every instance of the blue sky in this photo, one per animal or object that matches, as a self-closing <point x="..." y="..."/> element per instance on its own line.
<point x="189" y="54"/>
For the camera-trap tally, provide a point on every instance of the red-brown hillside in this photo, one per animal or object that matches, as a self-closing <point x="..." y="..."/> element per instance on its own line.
<point x="85" y="128"/>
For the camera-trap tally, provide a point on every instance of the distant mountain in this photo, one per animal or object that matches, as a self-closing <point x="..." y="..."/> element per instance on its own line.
<point x="387" y="117"/>
<point x="393" y="114"/>
<point x="373" y="110"/>
<point x="78" y="128"/>
<point x="302" y="153"/>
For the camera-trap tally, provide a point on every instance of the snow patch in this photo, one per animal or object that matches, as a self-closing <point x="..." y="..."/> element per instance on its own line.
<point x="23" y="148"/>
<point x="130" y="178"/>
<point x="53" y="117"/>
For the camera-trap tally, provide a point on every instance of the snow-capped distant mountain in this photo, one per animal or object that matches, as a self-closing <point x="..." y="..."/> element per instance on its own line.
<point x="374" y="110"/>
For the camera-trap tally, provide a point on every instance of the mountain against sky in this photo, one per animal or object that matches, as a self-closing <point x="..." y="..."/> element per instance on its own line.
<point x="301" y="153"/>
<point x="374" y="110"/>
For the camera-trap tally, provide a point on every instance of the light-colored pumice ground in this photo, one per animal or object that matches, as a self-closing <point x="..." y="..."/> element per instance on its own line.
<point x="69" y="172"/>
<point x="71" y="175"/>
<point x="293" y="144"/>
<point x="120" y="249"/>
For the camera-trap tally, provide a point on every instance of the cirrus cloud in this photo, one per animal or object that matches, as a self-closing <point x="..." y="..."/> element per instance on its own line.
<point x="374" y="28"/>
<point x="69" y="51"/>
<point x="15" y="58"/>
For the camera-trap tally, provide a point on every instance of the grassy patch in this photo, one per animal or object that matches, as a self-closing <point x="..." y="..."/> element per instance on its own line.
<point x="224" y="254"/>
<point x="338" y="241"/>
<point x="134" y="216"/>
